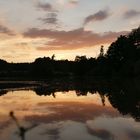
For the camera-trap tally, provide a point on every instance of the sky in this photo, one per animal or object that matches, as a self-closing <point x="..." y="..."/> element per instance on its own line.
<point x="36" y="28"/>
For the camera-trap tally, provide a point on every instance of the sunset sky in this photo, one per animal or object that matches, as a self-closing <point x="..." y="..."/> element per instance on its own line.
<point x="66" y="28"/>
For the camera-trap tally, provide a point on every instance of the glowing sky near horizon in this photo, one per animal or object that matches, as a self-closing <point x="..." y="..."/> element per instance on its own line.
<point x="66" y="28"/>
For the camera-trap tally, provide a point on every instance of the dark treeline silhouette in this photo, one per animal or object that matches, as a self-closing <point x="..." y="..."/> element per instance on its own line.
<point x="122" y="59"/>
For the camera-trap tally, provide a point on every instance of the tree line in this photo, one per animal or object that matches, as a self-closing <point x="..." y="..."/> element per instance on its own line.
<point x="122" y="59"/>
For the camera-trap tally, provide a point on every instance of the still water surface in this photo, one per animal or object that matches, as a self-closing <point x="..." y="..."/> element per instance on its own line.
<point x="64" y="116"/>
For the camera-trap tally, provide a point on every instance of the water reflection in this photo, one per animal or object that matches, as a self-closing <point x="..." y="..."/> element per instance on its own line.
<point x="22" y="130"/>
<point x="75" y="112"/>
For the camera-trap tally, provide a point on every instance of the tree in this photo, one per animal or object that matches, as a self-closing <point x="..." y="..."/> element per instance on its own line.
<point x="125" y="47"/>
<point x="134" y="37"/>
<point x="124" y="52"/>
<point x="53" y="56"/>
<point x="101" y="51"/>
<point x="80" y="58"/>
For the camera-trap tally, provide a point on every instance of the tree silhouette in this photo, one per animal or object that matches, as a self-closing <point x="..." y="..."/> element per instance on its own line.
<point x="101" y="51"/>
<point x="122" y="59"/>
<point x="53" y="56"/>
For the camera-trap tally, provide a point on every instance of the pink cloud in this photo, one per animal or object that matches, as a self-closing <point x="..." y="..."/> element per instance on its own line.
<point x="74" y="39"/>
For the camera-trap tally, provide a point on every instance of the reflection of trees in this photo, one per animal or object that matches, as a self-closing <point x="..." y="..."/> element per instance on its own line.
<point x="122" y="95"/>
<point x="126" y="104"/>
<point x="44" y="91"/>
<point x="102" y="99"/>
<point x="81" y="92"/>
<point x="126" y="100"/>
<point x="22" y="130"/>
<point x="2" y="92"/>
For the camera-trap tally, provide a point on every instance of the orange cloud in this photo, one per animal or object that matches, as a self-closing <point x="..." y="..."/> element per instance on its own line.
<point x="74" y="111"/>
<point x="74" y="39"/>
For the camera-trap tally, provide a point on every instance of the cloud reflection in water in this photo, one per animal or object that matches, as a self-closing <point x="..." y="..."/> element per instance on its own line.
<point x="65" y="117"/>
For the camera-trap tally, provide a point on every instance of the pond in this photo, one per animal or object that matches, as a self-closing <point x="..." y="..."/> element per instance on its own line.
<point x="66" y="115"/>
